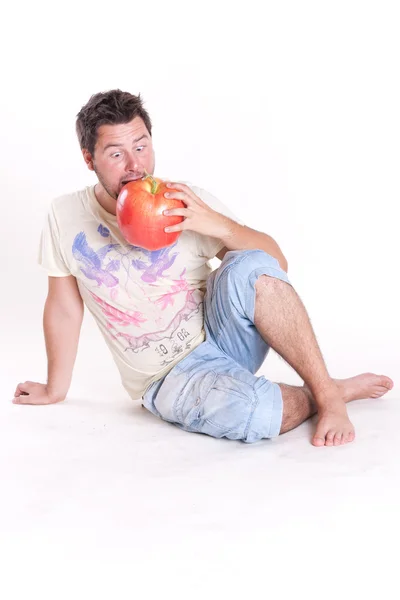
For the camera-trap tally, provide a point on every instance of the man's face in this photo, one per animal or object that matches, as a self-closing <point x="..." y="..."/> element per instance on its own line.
<point x="122" y="153"/>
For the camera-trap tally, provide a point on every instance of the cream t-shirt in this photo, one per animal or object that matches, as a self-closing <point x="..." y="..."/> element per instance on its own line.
<point x="148" y="305"/>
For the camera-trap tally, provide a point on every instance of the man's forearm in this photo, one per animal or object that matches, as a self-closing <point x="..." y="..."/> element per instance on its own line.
<point x="61" y="332"/>
<point x="240" y="237"/>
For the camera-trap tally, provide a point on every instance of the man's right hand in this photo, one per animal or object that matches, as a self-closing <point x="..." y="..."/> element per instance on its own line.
<point x="34" y="393"/>
<point x="62" y="319"/>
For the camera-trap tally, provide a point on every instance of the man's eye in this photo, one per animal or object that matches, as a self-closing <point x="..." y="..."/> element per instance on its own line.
<point x="116" y="155"/>
<point x="140" y="148"/>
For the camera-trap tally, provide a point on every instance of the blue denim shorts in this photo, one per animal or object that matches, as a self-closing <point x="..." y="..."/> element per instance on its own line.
<point x="214" y="390"/>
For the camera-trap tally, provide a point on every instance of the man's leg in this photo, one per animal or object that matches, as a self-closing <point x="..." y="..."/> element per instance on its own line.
<point x="299" y="405"/>
<point x="282" y="320"/>
<point x="250" y="306"/>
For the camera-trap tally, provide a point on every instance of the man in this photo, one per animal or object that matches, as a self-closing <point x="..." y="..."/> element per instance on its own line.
<point x="186" y="340"/>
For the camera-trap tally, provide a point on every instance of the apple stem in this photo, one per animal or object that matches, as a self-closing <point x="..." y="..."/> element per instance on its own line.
<point x="154" y="184"/>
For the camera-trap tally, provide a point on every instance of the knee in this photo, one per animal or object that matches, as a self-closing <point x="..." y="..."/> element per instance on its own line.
<point x="242" y="263"/>
<point x="247" y="258"/>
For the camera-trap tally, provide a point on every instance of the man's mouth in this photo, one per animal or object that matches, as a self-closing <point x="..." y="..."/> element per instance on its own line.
<point x="125" y="181"/>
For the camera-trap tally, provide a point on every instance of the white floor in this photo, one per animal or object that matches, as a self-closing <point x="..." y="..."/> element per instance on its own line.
<point x="101" y="499"/>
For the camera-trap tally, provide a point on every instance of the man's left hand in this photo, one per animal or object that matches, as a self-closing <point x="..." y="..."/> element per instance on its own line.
<point x="198" y="215"/>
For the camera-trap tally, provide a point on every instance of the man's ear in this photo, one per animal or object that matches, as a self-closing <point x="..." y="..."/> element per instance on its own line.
<point x="88" y="159"/>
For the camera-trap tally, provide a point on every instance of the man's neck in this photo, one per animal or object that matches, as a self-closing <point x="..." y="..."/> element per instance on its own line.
<point x="105" y="200"/>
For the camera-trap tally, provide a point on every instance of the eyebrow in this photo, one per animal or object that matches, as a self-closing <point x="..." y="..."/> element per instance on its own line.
<point x="134" y="141"/>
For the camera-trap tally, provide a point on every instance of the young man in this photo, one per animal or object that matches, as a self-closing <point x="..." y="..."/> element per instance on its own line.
<point x="186" y="340"/>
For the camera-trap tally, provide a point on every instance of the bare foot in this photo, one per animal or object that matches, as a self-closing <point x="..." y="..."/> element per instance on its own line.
<point x="367" y="385"/>
<point x="334" y="427"/>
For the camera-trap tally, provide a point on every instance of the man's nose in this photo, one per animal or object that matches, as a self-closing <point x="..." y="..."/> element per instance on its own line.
<point x="132" y="161"/>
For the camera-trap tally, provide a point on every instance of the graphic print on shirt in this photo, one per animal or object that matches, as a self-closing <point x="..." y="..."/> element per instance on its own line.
<point x="116" y="268"/>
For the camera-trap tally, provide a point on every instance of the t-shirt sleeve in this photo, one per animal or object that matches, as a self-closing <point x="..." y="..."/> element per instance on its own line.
<point x="50" y="255"/>
<point x="208" y="246"/>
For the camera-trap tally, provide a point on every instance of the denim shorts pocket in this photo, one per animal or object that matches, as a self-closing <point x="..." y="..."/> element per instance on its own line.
<point x="225" y="410"/>
<point x="169" y="395"/>
<point x="188" y="406"/>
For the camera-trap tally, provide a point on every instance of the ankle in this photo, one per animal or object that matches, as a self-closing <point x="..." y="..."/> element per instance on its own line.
<point x="327" y="388"/>
<point x="330" y="398"/>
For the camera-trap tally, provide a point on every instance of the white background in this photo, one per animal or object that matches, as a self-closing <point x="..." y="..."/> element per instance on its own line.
<point x="289" y="113"/>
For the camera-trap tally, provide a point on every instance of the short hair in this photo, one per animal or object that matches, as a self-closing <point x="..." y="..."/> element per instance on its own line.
<point x="108" y="108"/>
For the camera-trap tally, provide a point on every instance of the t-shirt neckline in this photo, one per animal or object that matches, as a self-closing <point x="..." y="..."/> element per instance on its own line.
<point x="102" y="212"/>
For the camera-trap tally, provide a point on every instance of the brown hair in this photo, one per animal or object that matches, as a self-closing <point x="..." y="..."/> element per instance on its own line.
<point x="108" y="108"/>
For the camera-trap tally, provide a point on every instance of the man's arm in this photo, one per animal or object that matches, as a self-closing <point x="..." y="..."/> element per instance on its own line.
<point x="62" y="320"/>
<point x="203" y="219"/>
<point x="240" y="237"/>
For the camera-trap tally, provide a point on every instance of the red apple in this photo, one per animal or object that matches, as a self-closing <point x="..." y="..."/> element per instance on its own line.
<point x="140" y="207"/>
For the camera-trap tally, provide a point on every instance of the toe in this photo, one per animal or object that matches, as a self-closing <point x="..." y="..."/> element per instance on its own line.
<point x="387" y="382"/>
<point x="350" y="437"/>
<point x="329" y="438"/>
<point x="380" y="391"/>
<point x="337" y="440"/>
<point x="318" y="441"/>
<point x="319" y="436"/>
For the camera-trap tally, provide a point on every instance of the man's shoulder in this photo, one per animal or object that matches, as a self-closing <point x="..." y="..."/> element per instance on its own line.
<point x="202" y="193"/>
<point x="214" y="202"/>
<point x="70" y="199"/>
<point x="70" y="207"/>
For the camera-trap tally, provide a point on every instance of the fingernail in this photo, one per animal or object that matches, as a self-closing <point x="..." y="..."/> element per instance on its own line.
<point x="166" y="212"/>
<point x="167" y="195"/>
